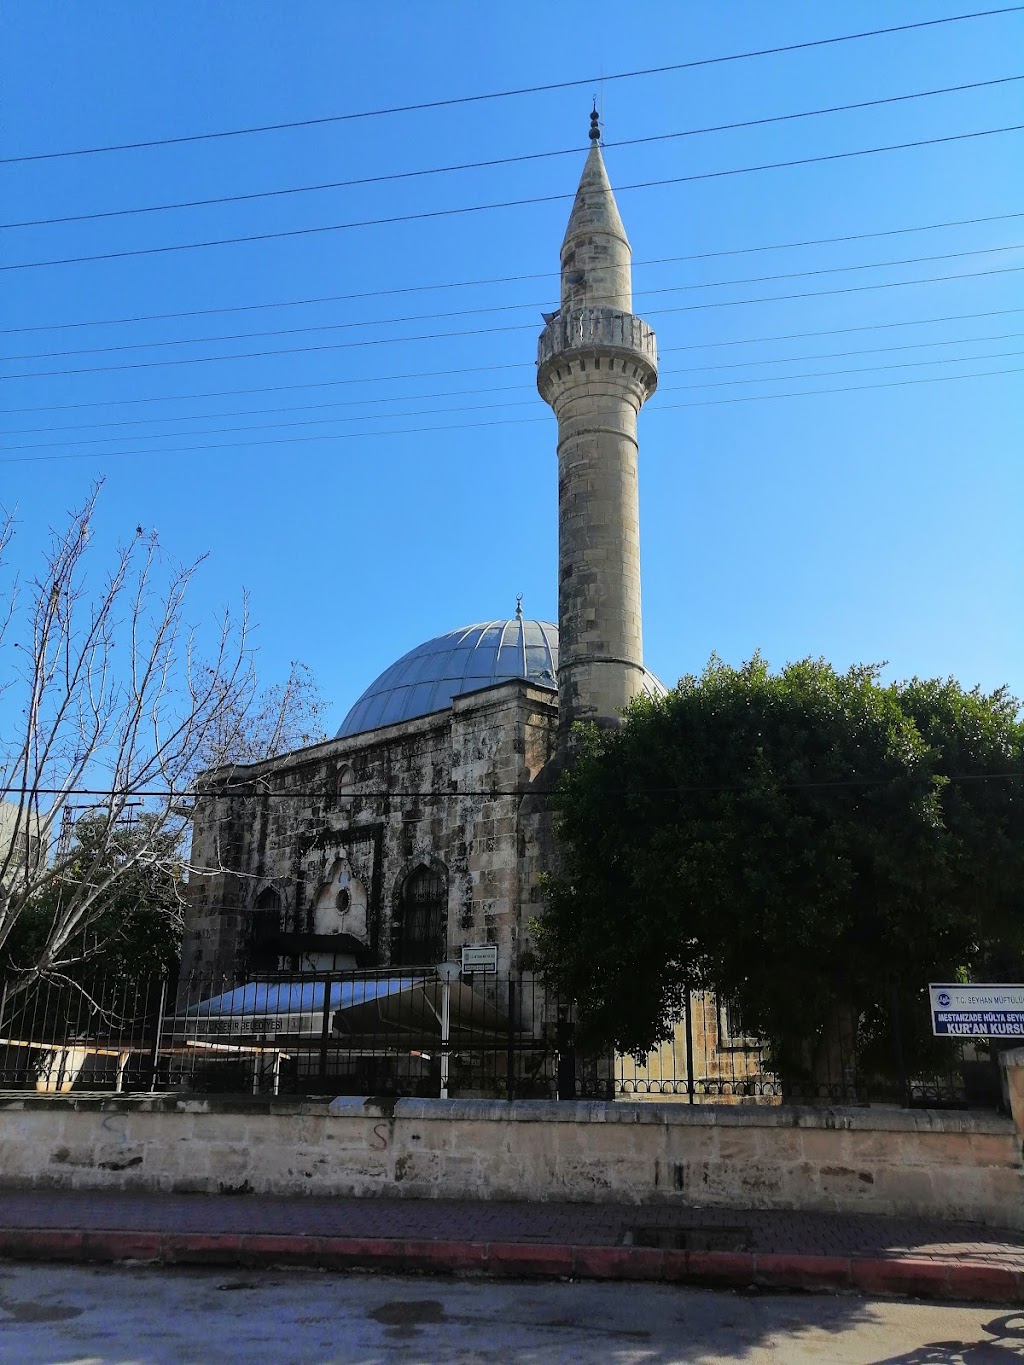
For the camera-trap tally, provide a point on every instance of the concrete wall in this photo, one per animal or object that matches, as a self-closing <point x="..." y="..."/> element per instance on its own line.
<point x="926" y="1163"/>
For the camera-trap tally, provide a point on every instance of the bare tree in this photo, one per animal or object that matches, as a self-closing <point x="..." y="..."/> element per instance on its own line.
<point x="267" y="723"/>
<point x="106" y="690"/>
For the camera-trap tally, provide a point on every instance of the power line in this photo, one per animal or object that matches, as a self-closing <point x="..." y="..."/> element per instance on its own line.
<point x="281" y="388"/>
<point x="507" y="94"/>
<point x="471" y="426"/>
<point x="502" y="388"/>
<point x="826" y="374"/>
<point x="513" y="365"/>
<point x="253" y="787"/>
<point x="505" y="279"/>
<point x="427" y="214"/>
<point x="491" y="331"/>
<point x="518" y="403"/>
<point x="498" y="161"/>
<point x="840" y="331"/>
<point x="848" y="388"/>
<point x="509" y="307"/>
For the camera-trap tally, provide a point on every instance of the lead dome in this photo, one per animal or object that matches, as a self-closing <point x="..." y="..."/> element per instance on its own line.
<point x="432" y="675"/>
<point x="464" y="660"/>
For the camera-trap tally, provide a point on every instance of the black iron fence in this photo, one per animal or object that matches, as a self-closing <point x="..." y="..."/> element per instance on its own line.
<point x="404" y="1032"/>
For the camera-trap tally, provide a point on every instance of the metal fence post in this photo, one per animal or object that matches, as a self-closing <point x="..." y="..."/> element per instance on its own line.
<point x="565" y="1045"/>
<point x="510" y="1060"/>
<point x="691" y="1088"/>
<point x="154" y="1060"/>
<point x="7" y="1048"/>
<point x="325" y="1029"/>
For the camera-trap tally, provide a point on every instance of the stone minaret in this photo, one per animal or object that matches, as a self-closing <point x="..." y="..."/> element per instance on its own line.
<point x="597" y="366"/>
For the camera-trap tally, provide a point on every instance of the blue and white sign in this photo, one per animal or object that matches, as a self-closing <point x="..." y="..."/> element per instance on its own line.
<point x="976" y="1011"/>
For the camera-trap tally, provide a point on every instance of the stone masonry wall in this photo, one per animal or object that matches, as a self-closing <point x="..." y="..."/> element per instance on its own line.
<point x="965" y="1166"/>
<point x="353" y="802"/>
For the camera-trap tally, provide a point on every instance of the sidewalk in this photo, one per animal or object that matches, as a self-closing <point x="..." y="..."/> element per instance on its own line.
<point x="722" y="1247"/>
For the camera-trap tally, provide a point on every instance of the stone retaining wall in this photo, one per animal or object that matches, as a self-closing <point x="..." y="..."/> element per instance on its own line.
<point x="925" y="1163"/>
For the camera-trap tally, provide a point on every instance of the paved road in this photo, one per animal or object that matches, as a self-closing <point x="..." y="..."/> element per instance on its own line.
<point x="59" y="1315"/>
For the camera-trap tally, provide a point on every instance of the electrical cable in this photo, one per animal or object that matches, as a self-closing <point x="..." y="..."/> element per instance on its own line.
<point x="848" y="388"/>
<point x="513" y="365"/>
<point x="459" y="100"/>
<point x="253" y="787"/>
<point x="471" y="426"/>
<point x="495" y="161"/>
<point x="501" y="388"/>
<point x="491" y="331"/>
<point x="429" y="214"/>
<point x="503" y="279"/>
<point x="518" y="403"/>
<point x="507" y="307"/>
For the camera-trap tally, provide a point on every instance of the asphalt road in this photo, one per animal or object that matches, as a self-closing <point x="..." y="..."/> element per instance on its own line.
<point x="78" y="1315"/>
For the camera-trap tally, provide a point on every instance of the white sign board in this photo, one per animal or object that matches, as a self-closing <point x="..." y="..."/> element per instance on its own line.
<point x="976" y="1011"/>
<point x="481" y="957"/>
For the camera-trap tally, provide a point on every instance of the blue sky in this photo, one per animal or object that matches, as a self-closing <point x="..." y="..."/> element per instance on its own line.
<point x="876" y="523"/>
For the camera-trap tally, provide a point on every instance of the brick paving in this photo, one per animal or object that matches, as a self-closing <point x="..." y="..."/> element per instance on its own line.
<point x="762" y="1233"/>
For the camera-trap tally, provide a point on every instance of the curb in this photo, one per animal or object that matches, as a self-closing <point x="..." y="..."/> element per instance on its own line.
<point x="928" y="1279"/>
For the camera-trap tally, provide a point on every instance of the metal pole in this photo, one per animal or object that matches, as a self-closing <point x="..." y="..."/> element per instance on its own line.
<point x="325" y="1030"/>
<point x="7" y="1046"/>
<point x="158" y="1039"/>
<point x="688" y="1020"/>
<point x="446" y="1007"/>
<point x="510" y="1074"/>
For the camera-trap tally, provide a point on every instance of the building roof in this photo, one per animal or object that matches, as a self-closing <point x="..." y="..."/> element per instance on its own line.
<point x="429" y="677"/>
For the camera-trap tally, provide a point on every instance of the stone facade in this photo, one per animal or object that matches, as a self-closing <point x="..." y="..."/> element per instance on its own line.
<point x="325" y="842"/>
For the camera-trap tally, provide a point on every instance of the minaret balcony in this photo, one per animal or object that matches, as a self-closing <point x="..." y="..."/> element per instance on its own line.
<point x="584" y="329"/>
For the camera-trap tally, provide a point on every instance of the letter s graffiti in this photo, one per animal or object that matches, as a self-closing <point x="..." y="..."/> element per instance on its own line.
<point x="116" y="1128"/>
<point x="382" y="1138"/>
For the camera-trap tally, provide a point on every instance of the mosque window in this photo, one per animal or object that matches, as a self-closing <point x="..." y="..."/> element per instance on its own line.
<point x="346" y="781"/>
<point x="265" y="927"/>
<point x="732" y="1036"/>
<point x="420" y="934"/>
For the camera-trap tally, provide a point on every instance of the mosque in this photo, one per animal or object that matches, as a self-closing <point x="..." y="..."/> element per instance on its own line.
<point x="421" y="827"/>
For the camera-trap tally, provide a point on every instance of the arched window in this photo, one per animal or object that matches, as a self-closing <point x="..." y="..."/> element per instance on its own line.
<point x="346" y="781"/>
<point x="265" y="927"/>
<point x="420" y="934"/>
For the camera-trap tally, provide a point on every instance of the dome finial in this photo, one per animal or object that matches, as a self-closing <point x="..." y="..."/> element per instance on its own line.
<point x="595" y="131"/>
<point x="519" y="606"/>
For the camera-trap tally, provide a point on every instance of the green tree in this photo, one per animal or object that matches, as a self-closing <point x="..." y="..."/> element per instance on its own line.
<point x="136" y="931"/>
<point x="977" y="736"/>
<point x="799" y="841"/>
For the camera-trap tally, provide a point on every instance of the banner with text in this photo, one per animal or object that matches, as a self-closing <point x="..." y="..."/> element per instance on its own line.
<point x="977" y="1011"/>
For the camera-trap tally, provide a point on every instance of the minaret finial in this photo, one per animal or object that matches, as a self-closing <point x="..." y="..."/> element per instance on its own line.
<point x="519" y="606"/>
<point x="595" y="130"/>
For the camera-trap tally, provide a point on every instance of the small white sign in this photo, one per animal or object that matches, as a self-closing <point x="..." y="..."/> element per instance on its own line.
<point x="480" y="957"/>
<point x="977" y="1011"/>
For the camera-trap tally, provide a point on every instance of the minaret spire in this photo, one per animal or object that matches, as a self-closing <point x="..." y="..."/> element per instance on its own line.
<point x="595" y="249"/>
<point x="597" y="366"/>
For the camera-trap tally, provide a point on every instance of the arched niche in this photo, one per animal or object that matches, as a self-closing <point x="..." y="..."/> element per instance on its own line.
<point x="340" y="904"/>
